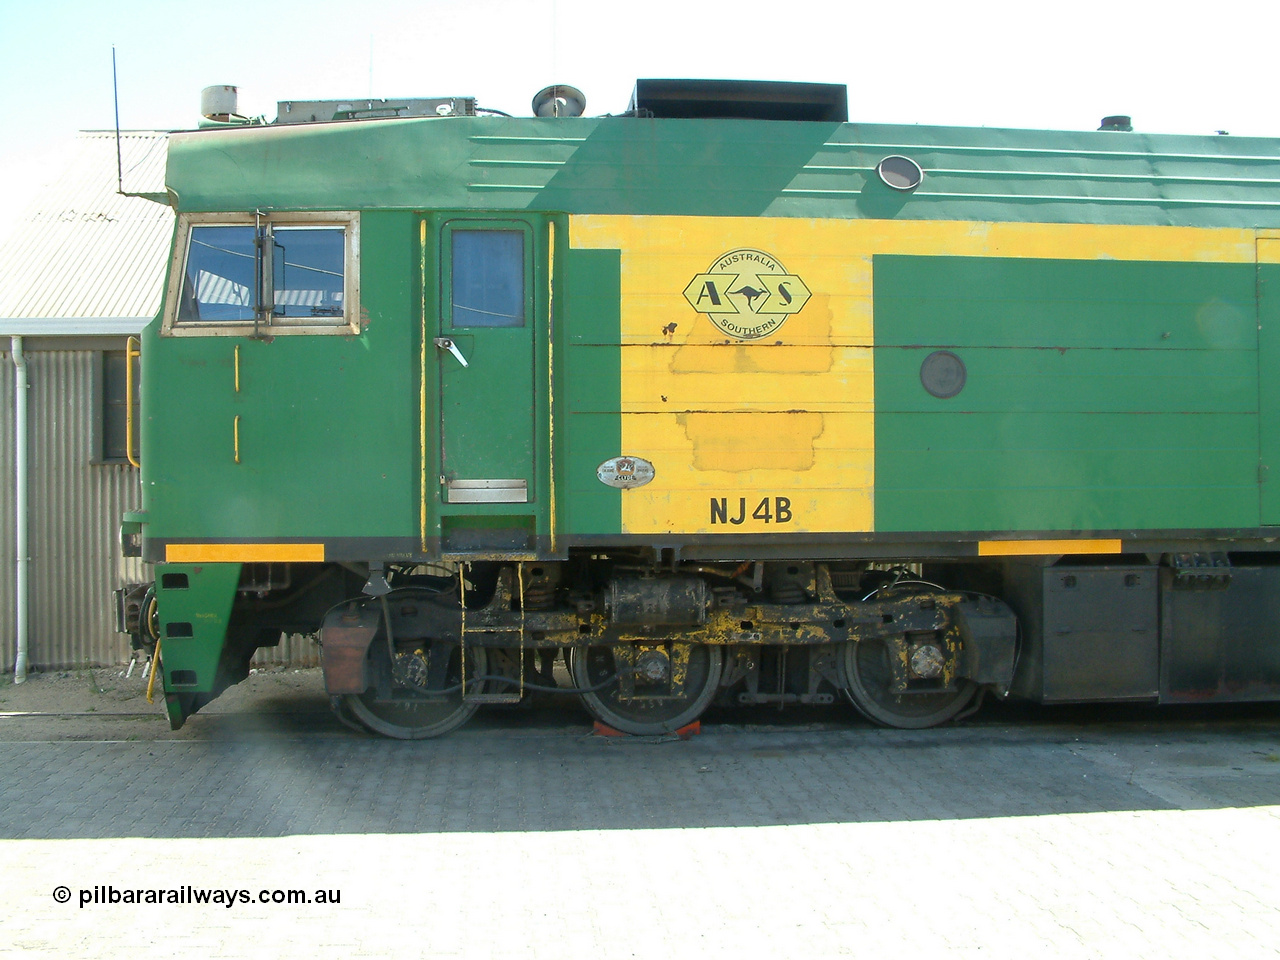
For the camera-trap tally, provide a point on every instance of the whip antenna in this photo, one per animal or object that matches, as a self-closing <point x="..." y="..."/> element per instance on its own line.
<point x="115" y="96"/>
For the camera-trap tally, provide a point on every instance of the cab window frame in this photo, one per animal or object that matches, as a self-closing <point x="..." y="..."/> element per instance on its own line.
<point x="347" y="324"/>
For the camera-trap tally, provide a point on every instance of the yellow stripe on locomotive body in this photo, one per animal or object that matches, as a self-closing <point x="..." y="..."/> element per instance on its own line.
<point x="244" y="553"/>
<point x="761" y="418"/>
<point x="1047" y="548"/>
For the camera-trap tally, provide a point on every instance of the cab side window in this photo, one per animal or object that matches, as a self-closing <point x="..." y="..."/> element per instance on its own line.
<point x="295" y="277"/>
<point x="218" y="283"/>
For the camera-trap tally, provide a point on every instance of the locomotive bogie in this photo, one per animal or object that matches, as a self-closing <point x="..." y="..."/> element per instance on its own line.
<point x="644" y="649"/>
<point x="647" y="650"/>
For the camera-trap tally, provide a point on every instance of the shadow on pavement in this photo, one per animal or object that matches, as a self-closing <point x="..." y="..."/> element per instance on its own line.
<point x="290" y="768"/>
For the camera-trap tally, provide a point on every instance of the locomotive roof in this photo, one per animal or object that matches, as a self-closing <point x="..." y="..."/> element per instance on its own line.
<point x="749" y="168"/>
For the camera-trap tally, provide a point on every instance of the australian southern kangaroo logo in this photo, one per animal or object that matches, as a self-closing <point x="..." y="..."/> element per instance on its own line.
<point x="747" y="294"/>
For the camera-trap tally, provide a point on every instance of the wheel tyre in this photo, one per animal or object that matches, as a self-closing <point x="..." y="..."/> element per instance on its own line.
<point x="866" y="678"/>
<point x="589" y="667"/>
<point x="417" y="720"/>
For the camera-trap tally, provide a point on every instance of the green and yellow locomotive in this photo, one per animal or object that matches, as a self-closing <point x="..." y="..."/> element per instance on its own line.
<point x="723" y="398"/>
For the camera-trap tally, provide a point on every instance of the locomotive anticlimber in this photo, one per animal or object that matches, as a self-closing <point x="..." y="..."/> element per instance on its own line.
<point x="740" y="405"/>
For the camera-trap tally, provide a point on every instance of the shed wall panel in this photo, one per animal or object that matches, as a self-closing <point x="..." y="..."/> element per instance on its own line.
<point x="8" y="629"/>
<point x="75" y="507"/>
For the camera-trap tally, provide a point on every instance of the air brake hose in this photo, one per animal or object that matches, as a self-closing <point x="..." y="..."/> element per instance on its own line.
<point x="155" y="665"/>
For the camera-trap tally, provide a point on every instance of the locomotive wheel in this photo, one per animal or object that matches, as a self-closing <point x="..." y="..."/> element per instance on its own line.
<point x="592" y="667"/>
<point x="868" y="682"/>
<point x="410" y="716"/>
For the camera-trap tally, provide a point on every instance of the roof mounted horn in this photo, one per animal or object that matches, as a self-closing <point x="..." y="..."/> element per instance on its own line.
<point x="559" y="100"/>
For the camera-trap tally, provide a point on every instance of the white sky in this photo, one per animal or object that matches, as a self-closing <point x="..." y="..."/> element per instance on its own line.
<point x="1019" y="63"/>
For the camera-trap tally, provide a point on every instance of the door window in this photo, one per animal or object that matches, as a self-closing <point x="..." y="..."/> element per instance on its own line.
<point x="487" y="280"/>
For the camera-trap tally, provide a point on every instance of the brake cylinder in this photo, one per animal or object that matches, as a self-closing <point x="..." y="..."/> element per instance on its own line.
<point x="670" y="602"/>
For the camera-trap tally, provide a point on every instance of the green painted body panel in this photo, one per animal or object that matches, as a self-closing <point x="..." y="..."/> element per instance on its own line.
<point x="311" y="408"/>
<point x="1269" y="384"/>
<point x="1076" y="472"/>
<point x="589" y="403"/>
<point x="1054" y="304"/>
<point x="1100" y="395"/>
<point x="728" y="168"/>
<point x="487" y="424"/>
<point x="205" y="604"/>
<point x="1078" y="380"/>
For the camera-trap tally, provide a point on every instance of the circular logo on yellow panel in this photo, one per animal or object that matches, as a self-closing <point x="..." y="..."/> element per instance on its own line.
<point x="747" y="294"/>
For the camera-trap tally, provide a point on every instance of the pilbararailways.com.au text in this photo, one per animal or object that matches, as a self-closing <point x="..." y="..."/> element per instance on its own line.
<point x="107" y="895"/>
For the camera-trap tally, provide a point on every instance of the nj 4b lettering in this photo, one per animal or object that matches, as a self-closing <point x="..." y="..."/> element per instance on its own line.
<point x="768" y="510"/>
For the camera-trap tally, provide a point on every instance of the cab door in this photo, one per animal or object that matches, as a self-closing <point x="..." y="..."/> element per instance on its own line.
<point x="489" y="311"/>
<point x="485" y="352"/>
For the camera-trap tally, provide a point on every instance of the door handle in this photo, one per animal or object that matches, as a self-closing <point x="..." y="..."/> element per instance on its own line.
<point x="446" y="343"/>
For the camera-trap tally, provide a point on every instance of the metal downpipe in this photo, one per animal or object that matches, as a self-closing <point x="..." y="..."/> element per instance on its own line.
<point x="20" y="504"/>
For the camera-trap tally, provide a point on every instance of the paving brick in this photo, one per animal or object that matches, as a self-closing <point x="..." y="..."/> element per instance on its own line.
<point x="501" y="841"/>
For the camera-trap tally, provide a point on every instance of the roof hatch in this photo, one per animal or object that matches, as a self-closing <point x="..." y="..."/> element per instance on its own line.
<point x="740" y="100"/>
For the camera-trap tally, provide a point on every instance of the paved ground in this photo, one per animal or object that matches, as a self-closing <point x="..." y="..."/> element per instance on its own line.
<point x="1018" y="834"/>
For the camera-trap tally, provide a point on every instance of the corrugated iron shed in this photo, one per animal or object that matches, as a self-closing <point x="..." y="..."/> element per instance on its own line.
<point x="82" y="268"/>
<point x="83" y="251"/>
<point x="74" y="513"/>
